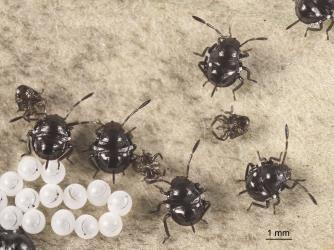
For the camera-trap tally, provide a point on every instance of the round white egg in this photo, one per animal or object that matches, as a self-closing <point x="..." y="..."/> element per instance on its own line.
<point x="120" y="202"/>
<point x="86" y="226"/>
<point x="26" y="199"/>
<point x="33" y="221"/>
<point x="75" y="196"/>
<point x="29" y="168"/>
<point x="62" y="222"/>
<point x="11" y="218"/>
<point x="110" y="224"/>
<point x="98" y="192"/>
<point x="3" y="200"/>
<point x="51" y="195"/>
<point x="11" y="183"/>
<point x="54" y="174"/>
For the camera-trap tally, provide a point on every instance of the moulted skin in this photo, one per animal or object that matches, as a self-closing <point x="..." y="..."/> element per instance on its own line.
<point x="132" y="50"/>
<point x="229" y="125"/>
<point x="149" y="166"/>
<point x="27" y="97"/>
<point x="30" y="102"/>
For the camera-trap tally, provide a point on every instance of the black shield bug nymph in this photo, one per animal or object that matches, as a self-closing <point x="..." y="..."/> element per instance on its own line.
<point x="185" y="202"/>
<point x="113" y="150"/>
<point x="265" y="181"/>
<point x="16" y="239"/>
<point x="230" y="125"/>
<point x="30" y="102"/>
<point x="50" y="138"/>
<point x="314" y="12"/>
<point x="222" y="64"/>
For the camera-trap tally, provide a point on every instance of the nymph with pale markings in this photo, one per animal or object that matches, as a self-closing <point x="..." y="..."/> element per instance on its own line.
<point x="185" y="202"/>
<point x="113" y="150"/>
<point x="264" y="182"/>
<point x="51" y="138"/>
<point x="314" y="13"/>
<point x="222" y="64"/>
<point x="15" y="240"/>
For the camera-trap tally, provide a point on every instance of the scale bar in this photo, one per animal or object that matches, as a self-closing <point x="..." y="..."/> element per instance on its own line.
<point x="279" y="239"/>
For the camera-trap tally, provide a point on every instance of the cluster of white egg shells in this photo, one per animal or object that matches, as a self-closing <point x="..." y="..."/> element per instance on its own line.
<point x="25" y="213"/>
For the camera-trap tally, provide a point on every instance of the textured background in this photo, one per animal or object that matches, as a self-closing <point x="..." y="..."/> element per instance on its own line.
<point x="128" y="51"/>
